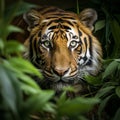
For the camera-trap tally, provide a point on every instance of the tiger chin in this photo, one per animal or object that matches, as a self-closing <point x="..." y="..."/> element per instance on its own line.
<point x="61" y="45"/>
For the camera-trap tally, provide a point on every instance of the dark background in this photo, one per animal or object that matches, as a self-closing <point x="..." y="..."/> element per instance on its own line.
<point x="68" y="4"/>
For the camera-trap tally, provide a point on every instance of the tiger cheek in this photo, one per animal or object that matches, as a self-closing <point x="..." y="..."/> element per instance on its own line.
<point x="74" y="59"/>
<point x="73" y="64"/>
<point x="44" y="55"/>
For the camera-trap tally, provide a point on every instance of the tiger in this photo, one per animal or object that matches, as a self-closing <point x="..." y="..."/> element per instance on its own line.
<point x="61" y="45"/>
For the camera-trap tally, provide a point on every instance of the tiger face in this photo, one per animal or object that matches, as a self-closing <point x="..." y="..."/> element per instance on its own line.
<point x="62" y="46"/>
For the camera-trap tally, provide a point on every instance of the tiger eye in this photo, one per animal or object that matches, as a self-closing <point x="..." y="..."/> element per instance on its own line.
<point x="46" y="43"/>
<point x="73" y="43"/>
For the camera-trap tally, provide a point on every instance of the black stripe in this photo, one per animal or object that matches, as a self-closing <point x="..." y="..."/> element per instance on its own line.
<point x="49" y="22"/>
<point x="85" y="41"/>
<point x="90" y="48"/>
<point x="52" y="27"/>
<point x="80" y="33"/>
<point x="69" y="18"/>
<point x="74" y="71"/>
<point x="30" y="50"/>
<point x="58" y="14"/>
<point x="39" y="34"/>
<point x="35" y="47"/>
<point x="59" y="21"/>
<point x="66" y="27"/>
<point x="69" y="22"/>
<point x="85" y="57"/>
<point x="52" y="17"/>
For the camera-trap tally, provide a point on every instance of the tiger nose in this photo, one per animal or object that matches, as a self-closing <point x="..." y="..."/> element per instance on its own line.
<point x="60" y="72"/>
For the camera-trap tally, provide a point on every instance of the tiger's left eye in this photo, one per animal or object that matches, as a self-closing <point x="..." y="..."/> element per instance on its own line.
<point x="46" y="43"/>
<point x="73" y="43"/>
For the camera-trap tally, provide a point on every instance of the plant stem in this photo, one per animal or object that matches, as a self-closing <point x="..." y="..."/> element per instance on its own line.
<point x="78" y="7"/>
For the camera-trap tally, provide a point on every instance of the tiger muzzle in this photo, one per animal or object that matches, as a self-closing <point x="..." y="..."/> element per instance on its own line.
<point x="61" y="72"/>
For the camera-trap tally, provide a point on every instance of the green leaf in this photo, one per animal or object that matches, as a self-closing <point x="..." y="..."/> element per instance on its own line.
<point x="68" y="89"/>
<point x="117" y="115"/>
<point x="24" y="66"/>
<point x="10" y="90"/>
<point x="28" y="89"/>
<point x="119" y="67"/>
<point x="99" y="25"/>
<point x="62" y="98"/>
<point x="77" y="106"/>
<point x="107" y="61"/>
<point x="93" y="80"/>
<point x="82" y="118"/>
<point x="50" y="107"/>
<point x="24" y="6"/>
<point x="25" y="79"/>
<point x="117" y="60"/>
<point x="12" y="28"/>
<point x="110" y="69"/>
<point x="37" y="101"/>
<point x="104" y="91"/>
<point x="117" y="90"/>
<point x="115" y="27"/>
<point x="102" y="105"/>
<point x="10" y="13"/>
<point x="1" y="44"/>
<point x="13" y="47"/>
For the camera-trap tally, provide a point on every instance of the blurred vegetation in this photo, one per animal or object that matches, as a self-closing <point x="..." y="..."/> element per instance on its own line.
<point x="22" y="99"/>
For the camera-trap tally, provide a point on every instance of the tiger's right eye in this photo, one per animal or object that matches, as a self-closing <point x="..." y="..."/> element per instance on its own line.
<point x="73" y="43"/>
<point x="46" y="43"/>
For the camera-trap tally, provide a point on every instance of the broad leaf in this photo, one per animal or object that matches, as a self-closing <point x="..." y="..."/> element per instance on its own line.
<point x="29" y="90"/>
<point x="12" y="28"/>
<point x="25" y="79"/>
<point x="50" y="107"/>
<point x="115" y="28"/>
<point x="117" y="90"/>
<point x="24" y="66"/>
<point x="37" y="101"/>
<point x="110" y="69"/>
<point x="77" y="106"/>
<point x="102" y="105"/>
<point x="1" y="44"/>
<point x="117" y="115"/>
<point x="10" y="90"/>
<point x="104" y="91"/>
<point x="93" y="80"/>
<point x="13" y="47"/>
<point x="99" y="25"/>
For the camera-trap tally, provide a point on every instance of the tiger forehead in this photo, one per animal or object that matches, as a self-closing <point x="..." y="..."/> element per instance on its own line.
<point x="60" y="23"/>
<point x="59" y="26"/>
<point x="50" y="12"/>
<point x="55" y="19"/>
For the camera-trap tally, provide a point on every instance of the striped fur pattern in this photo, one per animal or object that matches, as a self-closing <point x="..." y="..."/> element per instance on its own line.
<point x="61" y="45"/>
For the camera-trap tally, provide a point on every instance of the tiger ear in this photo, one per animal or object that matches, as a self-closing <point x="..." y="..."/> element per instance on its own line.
<point x="88" y="18"/>
<point x="32" y="18"/>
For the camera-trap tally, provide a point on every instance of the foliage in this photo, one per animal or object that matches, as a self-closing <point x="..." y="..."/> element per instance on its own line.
<point x="107" y="84"/>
